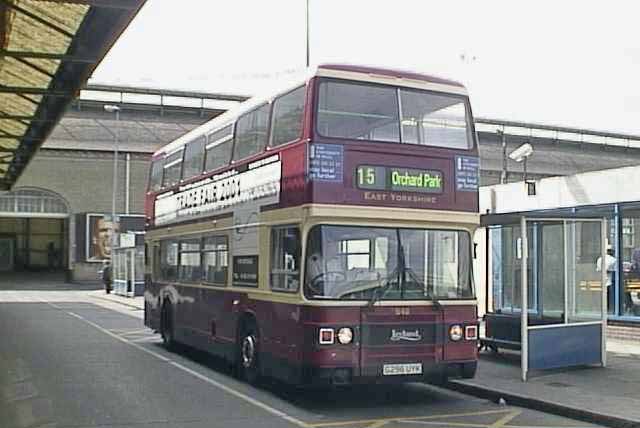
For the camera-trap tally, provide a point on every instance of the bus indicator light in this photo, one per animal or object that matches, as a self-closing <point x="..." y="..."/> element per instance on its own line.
<point x="327" y="336"/>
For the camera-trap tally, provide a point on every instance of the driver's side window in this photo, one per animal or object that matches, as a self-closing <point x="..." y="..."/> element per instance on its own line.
<point x="285" y="258"/>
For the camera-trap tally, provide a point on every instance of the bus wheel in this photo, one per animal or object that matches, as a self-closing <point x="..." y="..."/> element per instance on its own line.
<point x="166" y="326"/>
<point x="248" y="364"/>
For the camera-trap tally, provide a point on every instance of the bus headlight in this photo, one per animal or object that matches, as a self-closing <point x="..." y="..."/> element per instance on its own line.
<point x="345" y="335"/>
<point x="455" y="332"/>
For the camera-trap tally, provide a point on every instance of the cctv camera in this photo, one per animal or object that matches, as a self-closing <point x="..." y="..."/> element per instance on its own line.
<point x="521" y="153"/>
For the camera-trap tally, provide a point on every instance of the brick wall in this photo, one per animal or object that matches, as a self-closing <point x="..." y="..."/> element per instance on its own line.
<point x="628" y="333"/>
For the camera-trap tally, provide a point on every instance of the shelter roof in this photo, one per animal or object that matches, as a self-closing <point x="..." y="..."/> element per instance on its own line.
<point x="48" y="50"/>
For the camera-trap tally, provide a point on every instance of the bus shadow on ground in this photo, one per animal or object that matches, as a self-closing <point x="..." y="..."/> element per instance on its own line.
<point x="328" y="399"/>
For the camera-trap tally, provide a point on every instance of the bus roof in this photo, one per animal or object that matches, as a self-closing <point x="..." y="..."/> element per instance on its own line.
<point x="341" y="71"/>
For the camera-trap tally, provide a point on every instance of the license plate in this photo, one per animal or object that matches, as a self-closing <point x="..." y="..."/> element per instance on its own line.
<point x="401" y="369"/>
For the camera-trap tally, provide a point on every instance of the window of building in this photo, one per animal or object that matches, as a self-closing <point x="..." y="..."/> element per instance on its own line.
<point x="218" y="149"/>
<point x="155" y="177"/>
<point x="172" y="169"/>
<point x="169" y="260"/>
<point x="287" y="117"/>
<point x="285" y="258"/>
<point x="193" y="158"/>
<point x="251" y="133"/>
<point x="190" y="261"/>
<point x="215" y="260"/>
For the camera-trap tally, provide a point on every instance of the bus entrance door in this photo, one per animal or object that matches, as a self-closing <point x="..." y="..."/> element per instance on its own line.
<point x="399" y="341"/>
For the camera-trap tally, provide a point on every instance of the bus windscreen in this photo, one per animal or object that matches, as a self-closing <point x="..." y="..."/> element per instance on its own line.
<point x="362" y="263"/>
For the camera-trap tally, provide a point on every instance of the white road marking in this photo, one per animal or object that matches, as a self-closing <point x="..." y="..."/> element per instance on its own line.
<point x="194" y="373"/>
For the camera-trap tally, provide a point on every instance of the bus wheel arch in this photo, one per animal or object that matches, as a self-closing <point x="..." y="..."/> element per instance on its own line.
<point x="248" y="349"/>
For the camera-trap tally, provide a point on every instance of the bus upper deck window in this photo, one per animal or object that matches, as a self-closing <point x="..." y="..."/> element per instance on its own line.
<point x="434" y="120"/>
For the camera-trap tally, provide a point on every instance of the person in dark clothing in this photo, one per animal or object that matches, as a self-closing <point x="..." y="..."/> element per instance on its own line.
<point x="52" y="256"/>
<point x="106" y="277"/>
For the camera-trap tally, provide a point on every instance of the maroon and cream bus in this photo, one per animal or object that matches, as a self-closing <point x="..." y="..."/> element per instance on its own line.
<point x="322" y="235"/>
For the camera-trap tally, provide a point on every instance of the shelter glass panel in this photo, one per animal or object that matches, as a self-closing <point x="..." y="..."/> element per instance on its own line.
<point x="630" y="252"/>
<point x="552" y="269"/>
<point x="584" y="269"/>
<point x="507" y="268"/>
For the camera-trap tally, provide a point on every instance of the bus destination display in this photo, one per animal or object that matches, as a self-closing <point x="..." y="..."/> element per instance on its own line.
<point x="370" y="177"/>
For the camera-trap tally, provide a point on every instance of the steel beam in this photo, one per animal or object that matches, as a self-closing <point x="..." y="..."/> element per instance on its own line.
<point x="45" y="55"/>
<point x="101" y="4"/>
<point x="35" y="91"/>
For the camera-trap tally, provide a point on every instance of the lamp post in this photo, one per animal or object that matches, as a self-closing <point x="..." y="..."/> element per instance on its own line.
<point x="307" y="30"/>
<point x="503" y="139"/>
<point x="114" y="109"/>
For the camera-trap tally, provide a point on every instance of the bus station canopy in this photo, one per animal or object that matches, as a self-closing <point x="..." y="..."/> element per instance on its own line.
<point x="48" y="50"/>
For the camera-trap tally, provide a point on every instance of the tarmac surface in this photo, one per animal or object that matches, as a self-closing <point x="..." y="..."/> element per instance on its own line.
<point x="80" y="359"/>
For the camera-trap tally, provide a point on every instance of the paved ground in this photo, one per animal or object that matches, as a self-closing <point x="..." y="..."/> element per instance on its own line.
<point x="82" y="363"/>
<point x="612" y="393"/>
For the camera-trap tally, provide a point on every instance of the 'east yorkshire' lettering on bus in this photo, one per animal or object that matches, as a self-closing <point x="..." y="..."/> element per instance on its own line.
<point x="254" y="181"/>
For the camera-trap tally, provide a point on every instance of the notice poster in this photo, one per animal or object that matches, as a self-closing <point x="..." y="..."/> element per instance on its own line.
<point x="467" y="173"/>
<point x="326" y="162"/>
<point x="97" y="234"/>
<point x="245" y="271"/>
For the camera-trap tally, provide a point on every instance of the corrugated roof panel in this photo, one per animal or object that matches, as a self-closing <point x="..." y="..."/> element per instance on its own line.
<point x="66" y="16"/>
<point x="16" y="105"/>
<point x="9" y="143"/>
<point x="16" y="73"/>
<point x="48" y="65"/>
<point x="29" y="35"/>
<point x="13" y="127"/>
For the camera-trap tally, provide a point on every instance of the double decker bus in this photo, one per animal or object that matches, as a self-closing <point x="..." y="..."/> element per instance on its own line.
<point x="322" y="235"/>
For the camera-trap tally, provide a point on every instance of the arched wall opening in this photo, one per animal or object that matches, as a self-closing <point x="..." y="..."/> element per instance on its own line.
<point x="34" y="231"/>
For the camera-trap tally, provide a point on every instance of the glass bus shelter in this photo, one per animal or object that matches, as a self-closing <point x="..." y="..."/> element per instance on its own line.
<point x="554" y="268"/>
<point x="128" y="265"/>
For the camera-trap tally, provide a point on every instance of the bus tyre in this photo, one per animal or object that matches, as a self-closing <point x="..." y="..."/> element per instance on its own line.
<point x="469" y="370"/>
<point x="166" y="326"/>
<point x="248" y="364"/>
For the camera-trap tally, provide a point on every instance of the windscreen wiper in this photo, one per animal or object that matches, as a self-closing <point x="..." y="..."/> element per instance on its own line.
<point x="431" y="294"/>
<point x="385" y="285"/>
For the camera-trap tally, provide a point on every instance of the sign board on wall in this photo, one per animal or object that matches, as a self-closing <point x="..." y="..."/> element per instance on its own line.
<point x="127" y="240"/>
